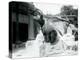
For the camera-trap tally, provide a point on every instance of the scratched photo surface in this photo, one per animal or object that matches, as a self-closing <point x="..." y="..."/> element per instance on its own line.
<point x="42" y="29"/>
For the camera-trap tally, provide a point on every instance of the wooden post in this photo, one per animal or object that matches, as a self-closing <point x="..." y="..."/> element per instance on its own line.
<point x="31" y="28"/>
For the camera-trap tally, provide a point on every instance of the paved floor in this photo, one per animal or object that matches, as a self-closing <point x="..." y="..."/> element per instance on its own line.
<point x="33" y="49"/>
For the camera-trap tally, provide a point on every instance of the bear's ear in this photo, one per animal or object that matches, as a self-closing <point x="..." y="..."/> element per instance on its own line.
<point x="41" y="21"/>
